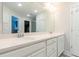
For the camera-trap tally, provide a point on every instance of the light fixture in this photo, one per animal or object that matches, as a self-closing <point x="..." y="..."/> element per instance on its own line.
<point x="35" y="11"/>
<point x="49" y="6"/>
<point x="28" y="15"/>
<point x="19" y="4"/>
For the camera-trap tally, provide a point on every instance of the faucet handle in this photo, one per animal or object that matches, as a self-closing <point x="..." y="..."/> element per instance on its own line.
<point x="20" y="35"/>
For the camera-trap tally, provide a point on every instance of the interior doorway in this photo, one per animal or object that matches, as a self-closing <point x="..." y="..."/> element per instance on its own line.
<point x="26" y="26"/>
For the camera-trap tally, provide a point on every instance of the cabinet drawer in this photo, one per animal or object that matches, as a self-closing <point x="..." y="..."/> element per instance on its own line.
<point x="40" y="53"/>
<point x="25" y="51"/>
<point x="51" y="41"/>
<point x="51" y="48"/>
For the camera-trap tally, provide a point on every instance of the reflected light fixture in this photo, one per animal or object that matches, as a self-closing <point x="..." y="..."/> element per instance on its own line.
<point x="19" y="4"/>
<point x="49" y="6"/>
<point x="28" y="15"/>
<point x="35" y="11"/>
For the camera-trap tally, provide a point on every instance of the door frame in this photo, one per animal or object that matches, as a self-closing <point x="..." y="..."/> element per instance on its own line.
<point x="29" y="25"/>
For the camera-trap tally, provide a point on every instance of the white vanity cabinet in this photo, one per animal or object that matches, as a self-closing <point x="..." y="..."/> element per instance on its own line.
<point x="52" y="47"/>
<point x="60" y="44"/>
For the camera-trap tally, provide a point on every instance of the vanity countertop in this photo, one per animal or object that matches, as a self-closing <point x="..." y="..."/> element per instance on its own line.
<point x="15" y="43"/>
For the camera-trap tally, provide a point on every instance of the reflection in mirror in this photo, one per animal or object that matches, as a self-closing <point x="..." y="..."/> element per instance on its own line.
<point x="26" y="26"/>
<point x="27" y="17"/>
<point x="14" y="24"/>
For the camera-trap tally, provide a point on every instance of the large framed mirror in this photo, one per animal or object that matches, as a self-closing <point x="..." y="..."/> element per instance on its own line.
<point x="26" y="17"/>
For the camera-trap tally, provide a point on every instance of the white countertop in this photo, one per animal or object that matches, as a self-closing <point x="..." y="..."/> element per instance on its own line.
<point x="14" y="43"/>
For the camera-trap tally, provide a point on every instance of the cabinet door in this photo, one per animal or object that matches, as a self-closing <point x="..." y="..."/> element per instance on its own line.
<point x="52" y="47"/>
<point x="60" y="45"/>
<point x="40" y="53"/>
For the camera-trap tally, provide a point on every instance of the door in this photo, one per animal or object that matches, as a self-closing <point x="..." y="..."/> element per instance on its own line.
<point x="26" y="26"/>
<point x="75" y="31"/>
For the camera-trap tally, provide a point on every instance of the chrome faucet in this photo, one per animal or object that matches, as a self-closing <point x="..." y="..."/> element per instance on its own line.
<point x="20" y="35"/>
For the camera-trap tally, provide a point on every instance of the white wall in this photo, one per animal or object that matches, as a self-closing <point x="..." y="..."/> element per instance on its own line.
<point x="62" y="22"/>
<point x="1" y="17"/>
<point x="7" y="13"/>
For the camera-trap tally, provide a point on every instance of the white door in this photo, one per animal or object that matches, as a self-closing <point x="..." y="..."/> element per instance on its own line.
<point x="75" y="31"/>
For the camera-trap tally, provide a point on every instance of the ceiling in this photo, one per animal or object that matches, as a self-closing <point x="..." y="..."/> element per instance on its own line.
<point x="26" y="8"/>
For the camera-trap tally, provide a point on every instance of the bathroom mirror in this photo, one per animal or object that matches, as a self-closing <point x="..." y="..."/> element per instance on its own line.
<point x="25" y="17"/>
